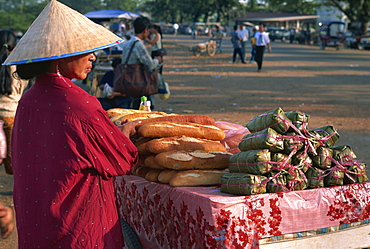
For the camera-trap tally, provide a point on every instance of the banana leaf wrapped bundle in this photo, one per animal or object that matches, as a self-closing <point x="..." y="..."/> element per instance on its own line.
<point x="302" y="161"/>
<point x="243" y="184"/>
<point x="265" y="139"/>
<point x="328" y="135"/>
<point x="296" y="180"/>
<point x="343" y="154"/>
<point x="323" y="158"/>
<point x="334" y="178"/>
<point x="358" y="175"/>
<point x="298" y="119"/>
<point x="292" y="142"/>
<point x="256" y="162"/>
<point x="277" y="183"/>
<point x="315" y="178"/>
<point x="282" y="161"/>
<point x="275" y="119"/>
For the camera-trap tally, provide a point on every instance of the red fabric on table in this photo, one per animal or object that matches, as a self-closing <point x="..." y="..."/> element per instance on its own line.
<point x="203" y="217"/>
<point x="66" y="153"/>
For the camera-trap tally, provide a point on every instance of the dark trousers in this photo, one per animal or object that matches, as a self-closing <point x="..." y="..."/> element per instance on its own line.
<point x="253" y="54"/>
<point x="260" y="50"/>
<point x="239" y="52"/>
<point x="116" y="102"/>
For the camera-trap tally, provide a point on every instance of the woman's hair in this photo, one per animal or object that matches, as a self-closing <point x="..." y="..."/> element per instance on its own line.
<point x="140" y="24"/>
<point x="158" y="28"/>
<point x="116" y="61"/>
<point x="7" y="43"/>
<point x="31" y="70"/>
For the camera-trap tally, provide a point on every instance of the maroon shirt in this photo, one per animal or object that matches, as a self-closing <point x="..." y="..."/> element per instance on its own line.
<point x="66" y="153"/>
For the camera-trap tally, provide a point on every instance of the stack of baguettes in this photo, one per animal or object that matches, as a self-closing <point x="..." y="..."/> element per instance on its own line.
<point x="180" y="150"/>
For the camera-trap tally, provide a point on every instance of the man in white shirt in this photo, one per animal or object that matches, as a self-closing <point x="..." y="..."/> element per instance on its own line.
<point x="262" y="41"/>
<point x="244" y="34"/>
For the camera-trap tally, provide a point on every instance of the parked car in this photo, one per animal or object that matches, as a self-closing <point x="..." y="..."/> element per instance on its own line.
<point x="364" y="43"/>
<point x="354" y="41"/>
<point x="278" y="34"/>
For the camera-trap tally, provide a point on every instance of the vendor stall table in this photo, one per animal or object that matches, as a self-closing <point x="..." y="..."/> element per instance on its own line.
<point x="203" y="217"/>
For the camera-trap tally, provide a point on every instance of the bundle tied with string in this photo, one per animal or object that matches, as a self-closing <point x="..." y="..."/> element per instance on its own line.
<point x="281" y="148"/>
<point x="243" y="184"/>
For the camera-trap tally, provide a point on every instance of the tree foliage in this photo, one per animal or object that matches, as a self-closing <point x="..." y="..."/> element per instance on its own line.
<point x="19" y="14"/>
<point x="190" y="10"/>
<point x="292" y="6"/>
<point x="357" y="11"/>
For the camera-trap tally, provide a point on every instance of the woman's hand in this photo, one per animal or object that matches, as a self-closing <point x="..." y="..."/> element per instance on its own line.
<point x="116" y="94"/>
<point x="159" y="58"/>
<point x="129" y="128"/>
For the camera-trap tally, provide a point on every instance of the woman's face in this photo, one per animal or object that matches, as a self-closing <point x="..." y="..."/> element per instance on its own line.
<point x="77" y="67"/>
<point x="153" y="30"/>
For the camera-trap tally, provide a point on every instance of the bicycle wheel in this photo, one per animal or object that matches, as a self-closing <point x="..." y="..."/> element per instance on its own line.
<point x="211" y="49"/>
<point x="131" y="239"/>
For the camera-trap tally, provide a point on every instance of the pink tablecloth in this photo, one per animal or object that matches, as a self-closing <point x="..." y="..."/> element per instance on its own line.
<point x="203" y="217"/>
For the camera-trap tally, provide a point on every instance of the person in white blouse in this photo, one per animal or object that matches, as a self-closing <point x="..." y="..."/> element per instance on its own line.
<point x="262" y="40"/>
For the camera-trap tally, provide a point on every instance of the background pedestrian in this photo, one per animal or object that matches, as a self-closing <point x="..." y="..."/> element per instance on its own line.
<point x="262" y="40"/>
<point x="236" y="40"/>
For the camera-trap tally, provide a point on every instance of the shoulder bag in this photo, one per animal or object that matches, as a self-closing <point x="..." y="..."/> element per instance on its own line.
<point x="135" y="80"/>
<point x="160" y="52"/>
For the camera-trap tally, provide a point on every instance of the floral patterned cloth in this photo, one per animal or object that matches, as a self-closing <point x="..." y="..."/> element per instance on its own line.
<point x="203" y="217"/>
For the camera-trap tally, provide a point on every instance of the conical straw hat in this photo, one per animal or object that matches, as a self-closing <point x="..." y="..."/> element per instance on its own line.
<point x="60" y="32"/>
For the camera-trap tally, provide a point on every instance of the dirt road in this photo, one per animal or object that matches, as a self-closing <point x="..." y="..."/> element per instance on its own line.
<point x="331" y="86"/>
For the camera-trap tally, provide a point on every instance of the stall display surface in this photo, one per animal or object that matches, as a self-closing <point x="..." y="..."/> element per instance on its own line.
<point x="204" y="217"/>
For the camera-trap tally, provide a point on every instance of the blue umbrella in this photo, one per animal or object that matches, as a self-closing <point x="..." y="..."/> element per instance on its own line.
<point x="106" y="14"/>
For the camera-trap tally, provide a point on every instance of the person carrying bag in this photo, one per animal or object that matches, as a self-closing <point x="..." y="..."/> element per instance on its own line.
<point x="135" y="80"/>
<point x="138" y="75"/>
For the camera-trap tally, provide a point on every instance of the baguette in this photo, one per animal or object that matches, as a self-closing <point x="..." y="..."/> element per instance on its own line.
<point x="183" y="160"/>
<point x="160" y="145"/>
<point x="140" y="116"/>
<point x="166" y="175"/>
<point x="171" y="129"/>
<point x="141" y="171"/>
<point x="152" y="175"/>
<point x="194" y="178"/>
<point x="151" y="163"/>
<point x="120" y="111"/>
<point x="199" y="119"/>
<point x="141" y="148"/>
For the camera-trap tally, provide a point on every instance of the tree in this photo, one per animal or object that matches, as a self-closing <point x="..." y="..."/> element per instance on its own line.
<point x="291" y="6"/>
<point x="357" y="11"/>
<point x="20" y="14"/>
<point x="129" y="5"/>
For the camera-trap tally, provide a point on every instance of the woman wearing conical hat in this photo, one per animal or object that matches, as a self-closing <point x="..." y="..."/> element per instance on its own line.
<point x="66" y="152"/>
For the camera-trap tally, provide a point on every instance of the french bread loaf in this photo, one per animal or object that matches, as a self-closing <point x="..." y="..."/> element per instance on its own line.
<point x="199" y="119"/>
<point x="151" y="163"/>
<point x="121" y="111"/>
<point x="171" y="129"/>
<point x="142" y="149"/>
<point x="194" y="178"/>
<point x="183" y="160"/>
<point x="152" y="175"/>
<point x="142" y="116"/>
<point x="160" y="145"/>
<point x="166" y="175"/>
<point x="141" y="171"/>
